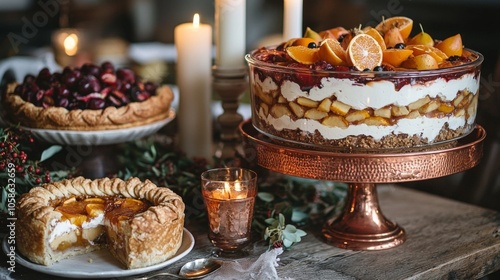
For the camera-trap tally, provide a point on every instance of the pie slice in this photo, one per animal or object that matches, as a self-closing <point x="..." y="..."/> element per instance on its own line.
<point x="139" y="223"/>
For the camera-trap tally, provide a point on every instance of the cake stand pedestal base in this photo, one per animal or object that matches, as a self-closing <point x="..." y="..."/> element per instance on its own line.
<point x="101" y="162"/>
<point x="362" y="226"/>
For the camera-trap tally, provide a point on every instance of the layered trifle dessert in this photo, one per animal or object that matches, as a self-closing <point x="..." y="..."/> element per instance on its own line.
<point x="367" y="88"/>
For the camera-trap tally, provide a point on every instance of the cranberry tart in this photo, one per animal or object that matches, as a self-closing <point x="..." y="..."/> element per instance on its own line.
<point x="139" y="223"/>
<point x="88" y="98"/>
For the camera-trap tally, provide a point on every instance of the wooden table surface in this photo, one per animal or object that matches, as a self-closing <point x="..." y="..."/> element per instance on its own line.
<point x="446" y="239"/>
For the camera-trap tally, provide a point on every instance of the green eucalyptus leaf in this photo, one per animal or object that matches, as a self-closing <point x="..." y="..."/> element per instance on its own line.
<point x="265" y="196"/>
<point x="299" y="216"/>
<point x="156" y="171"/>
<point x="300" y="233"/>
<point x="148" y="156"/>
<point x="270" y="220"/>
<point x="289" y="236"/>
<point x="49" y="152"/>
<point x="290" y="228"/>
<point x="287" y="243"/>
<point x="153" y="151"/>
<point x="281" y="219"/>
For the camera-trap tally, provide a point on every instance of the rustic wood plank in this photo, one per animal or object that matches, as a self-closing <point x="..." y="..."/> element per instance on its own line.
<point x="445" y="240"/>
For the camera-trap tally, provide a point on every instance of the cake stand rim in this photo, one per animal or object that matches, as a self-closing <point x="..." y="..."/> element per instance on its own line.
<point x="472" y="149"/>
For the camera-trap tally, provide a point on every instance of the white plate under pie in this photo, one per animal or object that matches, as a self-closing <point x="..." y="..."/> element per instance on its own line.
<point x="102" y="264"/>
<point x="101" y="137"/>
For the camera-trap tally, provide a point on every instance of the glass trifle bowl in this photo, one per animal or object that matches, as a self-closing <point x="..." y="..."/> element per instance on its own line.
<point x="330" y="107"/>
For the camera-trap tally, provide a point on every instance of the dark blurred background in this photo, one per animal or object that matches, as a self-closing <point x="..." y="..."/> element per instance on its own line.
<point x="26" y="27"/>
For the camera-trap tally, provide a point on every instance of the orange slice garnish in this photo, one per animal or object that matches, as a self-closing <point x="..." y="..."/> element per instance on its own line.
<point x="439" y="55"/>
<point x="376" y="35"/>
<point x="451" y="46"/>
<point x="364" y="52"/>
<point x="404" y="25"/>
<point x="395" y="57"/>
<point x="332" y="52"/>
<point x="303" y="54"/>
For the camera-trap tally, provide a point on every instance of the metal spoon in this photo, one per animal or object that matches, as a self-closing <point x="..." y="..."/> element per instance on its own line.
<point x="191" y="270"/>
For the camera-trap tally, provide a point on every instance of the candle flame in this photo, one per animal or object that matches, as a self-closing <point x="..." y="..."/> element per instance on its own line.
<point x="227" y="190"/>
<point x="71" y="44"/>
<point x="196" y="20"/>
<point x="237" y="186"/>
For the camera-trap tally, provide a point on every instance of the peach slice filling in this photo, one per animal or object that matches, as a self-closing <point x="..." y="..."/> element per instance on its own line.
<point x="83" y="219"/>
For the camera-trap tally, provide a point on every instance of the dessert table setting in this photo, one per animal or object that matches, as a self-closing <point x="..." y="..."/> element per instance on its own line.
<point x="109" y="175"/>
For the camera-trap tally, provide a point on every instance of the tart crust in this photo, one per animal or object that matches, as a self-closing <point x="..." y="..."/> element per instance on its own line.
<point x="133" y="114"/>
<point x="146" y="239"/>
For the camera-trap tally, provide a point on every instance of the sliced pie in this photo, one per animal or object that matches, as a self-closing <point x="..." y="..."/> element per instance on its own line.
<point x="139" y="223"/>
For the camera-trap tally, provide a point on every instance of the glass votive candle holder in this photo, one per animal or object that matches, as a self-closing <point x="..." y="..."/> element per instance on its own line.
<point x="229" y="196"/>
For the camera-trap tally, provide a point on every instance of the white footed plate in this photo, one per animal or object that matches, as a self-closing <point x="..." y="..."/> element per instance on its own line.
<point x="102" y="137"/>
<point x="99" y="264"/>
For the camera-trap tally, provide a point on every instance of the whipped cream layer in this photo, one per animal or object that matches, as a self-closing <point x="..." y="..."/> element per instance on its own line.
<point x="60" y="228"/>
<point x="375" y="94"/>
<point x="372" y="96"/>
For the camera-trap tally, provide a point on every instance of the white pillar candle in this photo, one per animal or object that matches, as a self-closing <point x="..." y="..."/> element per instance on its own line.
<point x="193" y="42"/>
<point x="230" y="33"/>
<point x="292" y="19"/>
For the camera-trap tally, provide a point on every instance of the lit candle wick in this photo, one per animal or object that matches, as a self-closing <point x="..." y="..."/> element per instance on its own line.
<point x="196" y="20"/>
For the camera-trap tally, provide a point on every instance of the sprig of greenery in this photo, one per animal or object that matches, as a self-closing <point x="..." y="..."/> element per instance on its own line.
<point x="280" y="234"/>
<point x="304" y="202"/>
<point x="22" y="164"/>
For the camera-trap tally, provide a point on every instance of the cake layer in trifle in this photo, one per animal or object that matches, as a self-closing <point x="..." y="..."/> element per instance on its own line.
<point x="327" y="105"/>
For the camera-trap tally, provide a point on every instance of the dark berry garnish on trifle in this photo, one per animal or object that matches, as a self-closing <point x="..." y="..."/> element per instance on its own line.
<point x="87" y="87"/>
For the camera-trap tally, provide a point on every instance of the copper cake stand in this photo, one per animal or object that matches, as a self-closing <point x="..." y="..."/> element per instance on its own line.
<point x="361" y="225"/>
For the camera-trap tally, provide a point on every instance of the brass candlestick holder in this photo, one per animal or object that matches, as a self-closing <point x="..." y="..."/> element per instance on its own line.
<point x="229" y="84"/>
